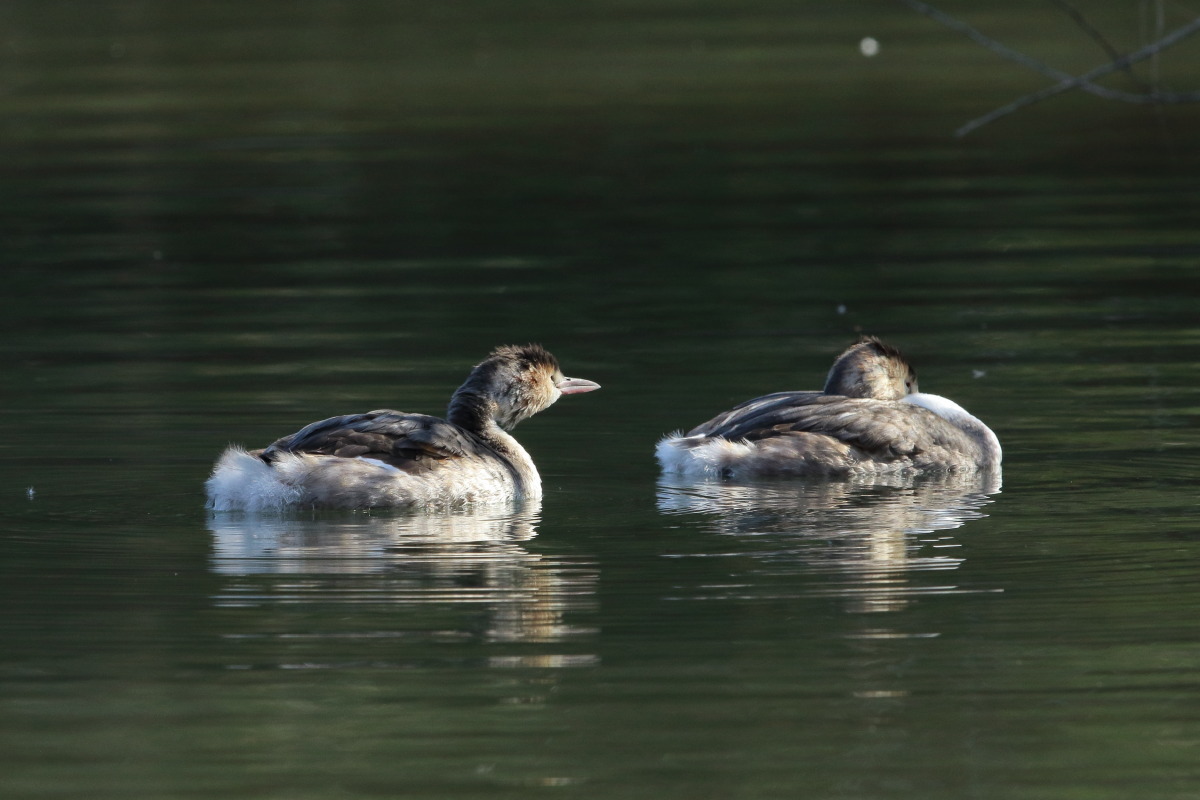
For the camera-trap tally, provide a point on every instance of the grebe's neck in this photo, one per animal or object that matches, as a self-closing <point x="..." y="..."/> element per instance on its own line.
<point x="477" y="414"/>
<point x="472" y="411"/>
<point x="958" y="416"/>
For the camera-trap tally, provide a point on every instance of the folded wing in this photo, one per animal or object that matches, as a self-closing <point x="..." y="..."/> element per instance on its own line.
<point x="876" y="428"/>
<point x="413" y="443"/>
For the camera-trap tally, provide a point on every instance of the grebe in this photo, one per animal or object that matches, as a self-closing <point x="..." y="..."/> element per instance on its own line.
<point x="868" y="419"/>
<point x="390" y="458"/>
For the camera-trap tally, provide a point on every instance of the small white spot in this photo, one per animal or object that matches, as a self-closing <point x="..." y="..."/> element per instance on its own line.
<point x="376" y="462"/>
<point x="841" y="309"/>
<point x="978" y="373"/>
<point x="869" y="46"/>
<point x="29" y="492"/>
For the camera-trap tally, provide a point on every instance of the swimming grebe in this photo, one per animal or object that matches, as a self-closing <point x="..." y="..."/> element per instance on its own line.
<point x="389" y="458"/>
<point x="869" y="418"/>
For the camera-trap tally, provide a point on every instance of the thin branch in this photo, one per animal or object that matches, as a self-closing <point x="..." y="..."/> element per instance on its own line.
<point x="1066" y="81"/>
<point x="1077" y="16"/>
<point x="1035" y="65"/>
<point x="1078" y="82"/>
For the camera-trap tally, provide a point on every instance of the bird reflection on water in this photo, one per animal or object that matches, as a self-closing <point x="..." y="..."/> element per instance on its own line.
<point x="867" y="536"/>
<point x="472" y="567"/>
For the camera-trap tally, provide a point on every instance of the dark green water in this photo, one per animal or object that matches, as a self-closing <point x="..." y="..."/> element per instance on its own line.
<point x="224" y="221"/>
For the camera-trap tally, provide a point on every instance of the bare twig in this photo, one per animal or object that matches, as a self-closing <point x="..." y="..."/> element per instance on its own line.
<point x="1078" y="82"/>
<point x="1077" y="16"/>
<point x="1066" y="81"/>
<point x="1035" y="65"/>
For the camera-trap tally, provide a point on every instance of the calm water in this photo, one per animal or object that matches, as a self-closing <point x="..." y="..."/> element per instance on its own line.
<point x="224" y="222"/>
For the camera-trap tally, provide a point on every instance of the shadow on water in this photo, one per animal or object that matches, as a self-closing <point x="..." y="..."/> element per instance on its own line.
<point x="869" y="537"/>
<point x="473" y="571"/>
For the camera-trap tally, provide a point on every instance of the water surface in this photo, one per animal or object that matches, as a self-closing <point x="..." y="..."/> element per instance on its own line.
<point x="223" y="223"/>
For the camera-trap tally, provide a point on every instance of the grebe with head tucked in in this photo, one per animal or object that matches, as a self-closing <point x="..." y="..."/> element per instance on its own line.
<point x="869" y="418"/>
<point x="390" y="458"/>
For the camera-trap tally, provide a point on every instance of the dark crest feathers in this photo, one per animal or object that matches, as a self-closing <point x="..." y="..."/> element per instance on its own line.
<point x="525" y="355"/>
<point x="884" y="349"/>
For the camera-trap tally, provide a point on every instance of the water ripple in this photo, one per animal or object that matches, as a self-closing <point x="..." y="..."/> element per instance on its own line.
<point x="471" y="574"/>
<point x="857" y="541"/>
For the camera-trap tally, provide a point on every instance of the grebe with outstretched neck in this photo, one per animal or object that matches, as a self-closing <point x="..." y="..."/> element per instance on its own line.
<point x="390" y="458"/>
<point x="869" y="418"/>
